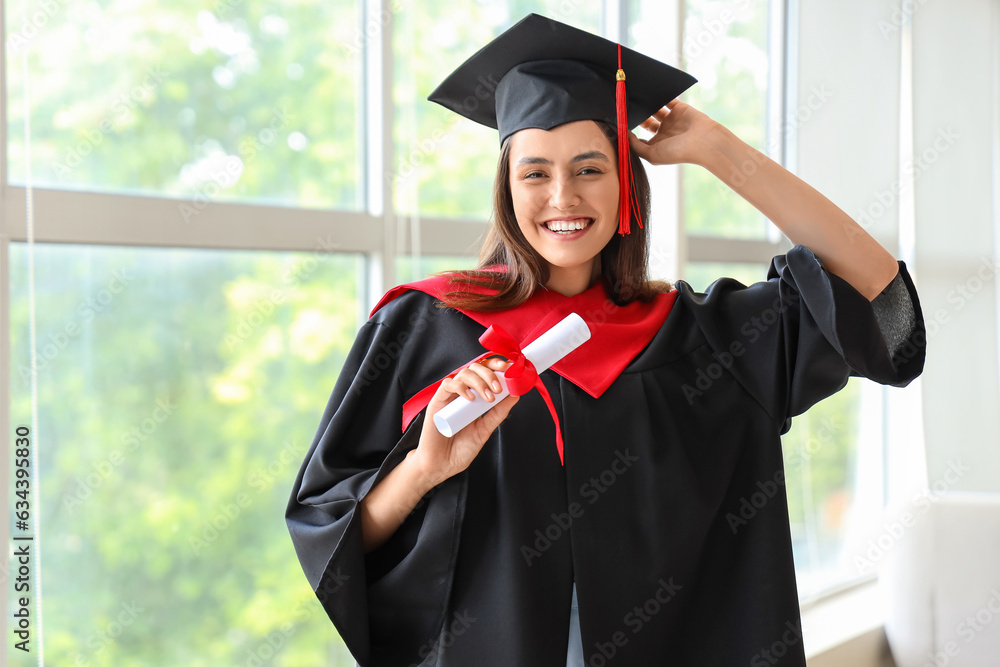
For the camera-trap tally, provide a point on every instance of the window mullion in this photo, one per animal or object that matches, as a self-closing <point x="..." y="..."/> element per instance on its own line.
<point x="778" y="129"/>
<point x="377" y="25"/>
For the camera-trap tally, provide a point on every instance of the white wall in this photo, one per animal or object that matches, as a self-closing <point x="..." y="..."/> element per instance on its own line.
<point x="955" y="84"/>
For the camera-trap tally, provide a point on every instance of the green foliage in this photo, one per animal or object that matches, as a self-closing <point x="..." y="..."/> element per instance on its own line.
<point x="171" y="426"/>
<point x="182" y="98"/>
<point x="820" y="454"/>
<point x="730" y="66"/>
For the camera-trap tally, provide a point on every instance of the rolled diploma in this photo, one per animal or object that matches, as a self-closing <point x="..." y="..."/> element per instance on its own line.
<point x="567" y="335"/>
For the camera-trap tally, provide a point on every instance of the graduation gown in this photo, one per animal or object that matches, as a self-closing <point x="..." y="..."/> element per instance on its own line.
<point x="669" y="512"/>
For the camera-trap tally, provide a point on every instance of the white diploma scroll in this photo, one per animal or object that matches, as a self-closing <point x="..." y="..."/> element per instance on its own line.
<point x="547" y="349"/>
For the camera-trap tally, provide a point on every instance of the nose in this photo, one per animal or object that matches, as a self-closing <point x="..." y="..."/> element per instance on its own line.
<point x="563" y="194"/>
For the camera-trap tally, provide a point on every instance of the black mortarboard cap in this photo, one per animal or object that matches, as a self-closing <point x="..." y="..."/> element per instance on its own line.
<point x="541" y="73"/>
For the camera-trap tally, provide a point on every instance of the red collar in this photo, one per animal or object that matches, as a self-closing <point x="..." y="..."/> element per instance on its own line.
<point x="618" y="333"/>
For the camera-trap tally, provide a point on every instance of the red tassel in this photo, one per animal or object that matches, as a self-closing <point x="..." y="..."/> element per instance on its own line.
<point x="624" y="166"/>
<point x="626" y="181"/>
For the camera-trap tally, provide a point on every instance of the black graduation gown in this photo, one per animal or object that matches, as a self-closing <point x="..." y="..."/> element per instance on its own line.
<point x="642" y="514"/>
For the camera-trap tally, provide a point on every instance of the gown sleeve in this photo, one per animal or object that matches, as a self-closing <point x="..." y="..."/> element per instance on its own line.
<point x="796" y="338"/>
<point x="389" y="603"/>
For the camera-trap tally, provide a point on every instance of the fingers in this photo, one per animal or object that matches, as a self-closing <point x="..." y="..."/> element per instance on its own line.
<point x="653" y="122"/>
<point x="477" y="378"/>
<point x="497" y="363"/>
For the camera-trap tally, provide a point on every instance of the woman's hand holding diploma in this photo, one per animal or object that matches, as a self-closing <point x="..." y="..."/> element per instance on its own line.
<point x="442" y="457"/>
<point x="436" y="457"/>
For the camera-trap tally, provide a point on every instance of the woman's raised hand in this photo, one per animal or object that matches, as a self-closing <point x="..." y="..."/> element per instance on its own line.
<point x="440" y="457"/>
<point x="681" y="134"/>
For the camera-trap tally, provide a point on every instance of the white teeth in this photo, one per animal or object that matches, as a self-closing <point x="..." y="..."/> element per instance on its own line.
<point x="567" y="225"/>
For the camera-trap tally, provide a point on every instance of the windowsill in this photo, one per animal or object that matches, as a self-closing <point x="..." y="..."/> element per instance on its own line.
<point x="845" y="622"/>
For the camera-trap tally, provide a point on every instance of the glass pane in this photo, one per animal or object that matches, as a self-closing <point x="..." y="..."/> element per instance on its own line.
<point x="445" y="164"/>
<point x="834" y="482"/>
<point x="178" y="392"/>
<point x="408" y="270"/>
<point x="726" y="49"/>
<point x="218" y="101"/>
<point x="702" y="274"/>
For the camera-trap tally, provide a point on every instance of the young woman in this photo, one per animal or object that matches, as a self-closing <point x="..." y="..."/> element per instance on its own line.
<point x="611" y="528"/>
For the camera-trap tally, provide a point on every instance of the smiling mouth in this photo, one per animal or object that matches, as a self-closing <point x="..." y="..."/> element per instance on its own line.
<point x="568" y="226"/>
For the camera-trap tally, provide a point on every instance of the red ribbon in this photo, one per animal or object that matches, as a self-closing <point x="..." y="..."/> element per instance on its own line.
<point x="520" y="376"/>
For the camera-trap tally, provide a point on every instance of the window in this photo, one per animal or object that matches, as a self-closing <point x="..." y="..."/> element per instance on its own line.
<point x="726" y="48"/>
<point x="222" y="101"/>
<point x="178" y="391"/>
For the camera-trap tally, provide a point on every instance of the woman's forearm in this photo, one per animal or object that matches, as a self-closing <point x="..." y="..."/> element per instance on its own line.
<point x="804" y="215"/>
<point x="390" y="501"/>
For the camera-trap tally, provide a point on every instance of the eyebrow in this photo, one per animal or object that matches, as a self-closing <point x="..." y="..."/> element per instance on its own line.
<point x="582" y="157"/>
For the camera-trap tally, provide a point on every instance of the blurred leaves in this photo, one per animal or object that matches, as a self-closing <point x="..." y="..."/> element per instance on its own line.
<point x="142" y="96"/>
<point x="725" y="47"/>
<point x="158" y="488"/>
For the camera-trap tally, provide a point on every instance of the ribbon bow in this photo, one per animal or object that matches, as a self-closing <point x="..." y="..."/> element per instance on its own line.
<point x="520" y="377"/>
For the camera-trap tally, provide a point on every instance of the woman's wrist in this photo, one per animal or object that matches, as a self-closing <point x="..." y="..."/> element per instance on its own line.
<point x="389" y="502"/>
<point x="423" y="478"/>
<point x="728" y="157"/>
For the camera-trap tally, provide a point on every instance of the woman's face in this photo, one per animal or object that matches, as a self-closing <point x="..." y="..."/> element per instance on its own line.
<point x="564" y="186"/>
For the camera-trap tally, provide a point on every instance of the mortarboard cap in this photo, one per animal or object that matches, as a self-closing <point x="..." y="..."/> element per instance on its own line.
<point x="541" y="73"/>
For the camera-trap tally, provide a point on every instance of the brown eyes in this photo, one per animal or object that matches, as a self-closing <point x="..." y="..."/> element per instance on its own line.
<point x="586" y="171"/>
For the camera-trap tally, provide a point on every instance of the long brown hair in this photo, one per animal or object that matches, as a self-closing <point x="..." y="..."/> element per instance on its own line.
<point x="623" y="258"/>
